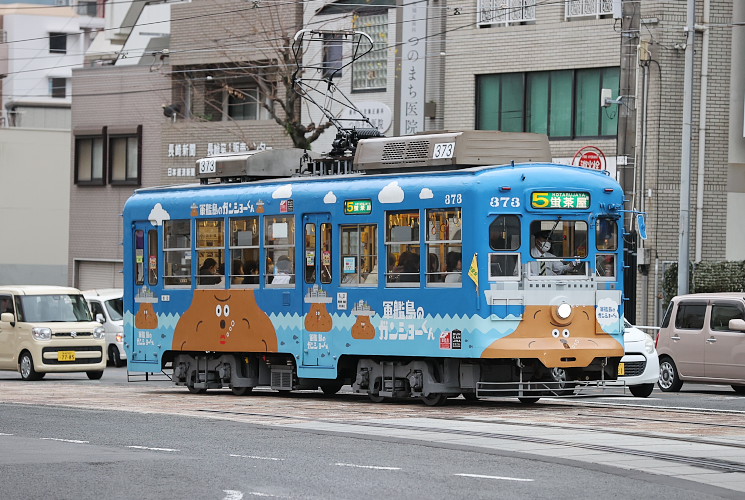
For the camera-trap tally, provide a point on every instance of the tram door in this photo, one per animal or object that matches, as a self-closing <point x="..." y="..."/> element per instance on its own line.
<point x="146" y="290"/>
<point x="317" y="276"/>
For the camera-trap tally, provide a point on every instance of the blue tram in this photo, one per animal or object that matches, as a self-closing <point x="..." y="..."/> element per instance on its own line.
<point x="432" y="266"/>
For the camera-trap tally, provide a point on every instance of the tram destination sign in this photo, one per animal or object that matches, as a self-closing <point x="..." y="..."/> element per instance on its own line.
<point x="357" y="207"/>
<point x="560" y="200"/>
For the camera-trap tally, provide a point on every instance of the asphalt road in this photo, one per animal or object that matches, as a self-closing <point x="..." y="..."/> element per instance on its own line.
<point x="51" y="452"/>
<point x="69" y="437"/>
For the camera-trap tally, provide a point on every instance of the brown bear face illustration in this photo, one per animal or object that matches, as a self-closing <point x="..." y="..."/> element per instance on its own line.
<point x="146" y="319"/>
<point x="225" y="320"/>
<point x="318" y="318"/>
<point x="568" y="343"/>
<point x="363" y="329"/>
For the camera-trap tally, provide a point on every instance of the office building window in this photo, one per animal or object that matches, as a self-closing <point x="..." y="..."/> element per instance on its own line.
<point x="124" y="158"/>
<point x="370" y="72"/>
<point x="563" y="103"/>
<point x="58" y="43"/>
<point x="58" y="87"/>
<point x="332" y="55"/>
<point x="243" y="103"/>
<point x="89" y="160"/>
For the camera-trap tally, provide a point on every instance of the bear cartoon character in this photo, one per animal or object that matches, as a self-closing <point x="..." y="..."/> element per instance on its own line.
<point x="225" y="320"/>
<point x="146" y="318"/>
<point x="363" y="328"/>
<point x="544" y="334"/>
<point x="318" y="318"/>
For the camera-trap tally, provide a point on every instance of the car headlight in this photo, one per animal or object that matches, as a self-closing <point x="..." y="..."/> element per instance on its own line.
<point x="41" y="333"/>
<point x="99" y="333"/>
<point x="648" y="344"/>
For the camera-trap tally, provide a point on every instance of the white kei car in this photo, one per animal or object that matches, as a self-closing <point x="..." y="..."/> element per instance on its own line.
<point x="106" y="306"/>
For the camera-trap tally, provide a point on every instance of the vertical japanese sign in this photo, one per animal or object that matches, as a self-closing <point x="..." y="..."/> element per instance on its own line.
<point x="413" y="58"/>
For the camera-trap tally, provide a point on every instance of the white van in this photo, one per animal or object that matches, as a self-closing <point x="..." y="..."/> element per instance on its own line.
<point x="107" y="308"/>
<point x="45" y="329"/>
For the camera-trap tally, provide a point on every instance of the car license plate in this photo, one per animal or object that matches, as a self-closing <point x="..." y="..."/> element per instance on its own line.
<point x="65" y="355"/>
<point x="621" y="370"/>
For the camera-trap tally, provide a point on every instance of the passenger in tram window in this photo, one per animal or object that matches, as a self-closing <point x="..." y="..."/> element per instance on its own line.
<point x="433" y="268"/>
<point x="237" y="272"/>
<point x="208" y="274"/>
<point x="454" y="267"/>
<point x="408" y="264"/>
<point x="251" y="269"/>
<point x="283" y="271"/>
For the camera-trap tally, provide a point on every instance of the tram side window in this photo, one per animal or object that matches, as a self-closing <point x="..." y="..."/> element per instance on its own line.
<point x="139" y="257"/>
<point x="444" y="246"/>
<point x="152" y="261"/>
<point x="210" y="252"/>
<point x="606" y="234"/>
<point x="244" y="251"/>
<point x="504" y="236"/>
<point x="326" y="259"/>
<point x="605" y="265"/>
<point x="279" y="242"/>
<point x="359" y="254"/>
<point x="177" y="252"/>
<point x="402" y="242"/>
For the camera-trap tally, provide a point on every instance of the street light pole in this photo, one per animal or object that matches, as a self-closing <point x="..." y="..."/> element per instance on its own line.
<point x="685" y="157"/>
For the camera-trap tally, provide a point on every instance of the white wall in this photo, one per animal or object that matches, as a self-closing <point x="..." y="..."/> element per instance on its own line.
<point x="34" y="206"/>
<point x="30" y="64"/>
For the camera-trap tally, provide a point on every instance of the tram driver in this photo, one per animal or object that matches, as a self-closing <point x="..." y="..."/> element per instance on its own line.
<point x="542" y="250"/>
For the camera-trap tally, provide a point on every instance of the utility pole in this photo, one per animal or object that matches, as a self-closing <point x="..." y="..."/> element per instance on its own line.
<point x="685" y="157"/>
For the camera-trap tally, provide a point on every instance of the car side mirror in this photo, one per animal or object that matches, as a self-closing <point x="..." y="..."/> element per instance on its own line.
<point x="737" y="324"/>
<point x="8" y="318"/>
<point x="100" y="318"/>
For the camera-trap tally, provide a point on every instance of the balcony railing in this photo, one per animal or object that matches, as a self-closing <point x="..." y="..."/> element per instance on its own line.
<point x="586" y="8"/>
<point x="505" y="12"/>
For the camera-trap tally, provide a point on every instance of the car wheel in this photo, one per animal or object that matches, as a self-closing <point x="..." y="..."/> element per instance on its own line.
<point x="641" y="390"/>
<point x="114" y="357"/>
<point x="95" y="375"/>
<point x="26" y="367"/>
<point x="739" y="389"/>
<point x="669" y="379"/>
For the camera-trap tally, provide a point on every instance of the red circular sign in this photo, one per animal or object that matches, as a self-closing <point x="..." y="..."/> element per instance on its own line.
<point x="590" y="159"/>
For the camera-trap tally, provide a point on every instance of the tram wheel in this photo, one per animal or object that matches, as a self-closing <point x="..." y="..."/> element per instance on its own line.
<point x="528" y="401"/>
<point x="434" y="399"/>
<point x="190" y="385"/>
<point x="331" y="389"/>
<point x="241" y="391"/>
<point x="470" y="396"/>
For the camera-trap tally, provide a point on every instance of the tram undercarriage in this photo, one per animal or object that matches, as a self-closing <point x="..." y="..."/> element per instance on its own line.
<point x="433" y="381"/>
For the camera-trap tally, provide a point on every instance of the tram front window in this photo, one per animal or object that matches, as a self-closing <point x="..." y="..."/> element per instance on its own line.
<point x="557" y="247"/>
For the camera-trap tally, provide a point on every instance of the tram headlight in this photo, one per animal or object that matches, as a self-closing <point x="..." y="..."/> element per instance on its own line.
<point x="564" y="311"/>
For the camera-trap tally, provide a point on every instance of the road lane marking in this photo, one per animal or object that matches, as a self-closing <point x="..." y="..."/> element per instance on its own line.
<point x="256" y="457"/>
<point x="151" y="449"/>
<point x="377" y="467"/>
<point x="232" y="495"/>
<point x="4" y="434"/>
<point x="481" y="476"/>
<point x="76" y="441"/>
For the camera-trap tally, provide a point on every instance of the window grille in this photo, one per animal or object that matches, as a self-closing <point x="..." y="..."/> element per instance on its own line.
<point x="585" y="8"/>
<point x="505" y="12"/>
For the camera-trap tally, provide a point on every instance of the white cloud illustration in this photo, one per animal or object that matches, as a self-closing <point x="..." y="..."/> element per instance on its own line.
<point x="392" y="193"/>
<point x="158" y="215"/>
<point x="426" y="194"/>
<point x="330" y="198"/>
<point x="283" y="192"/>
